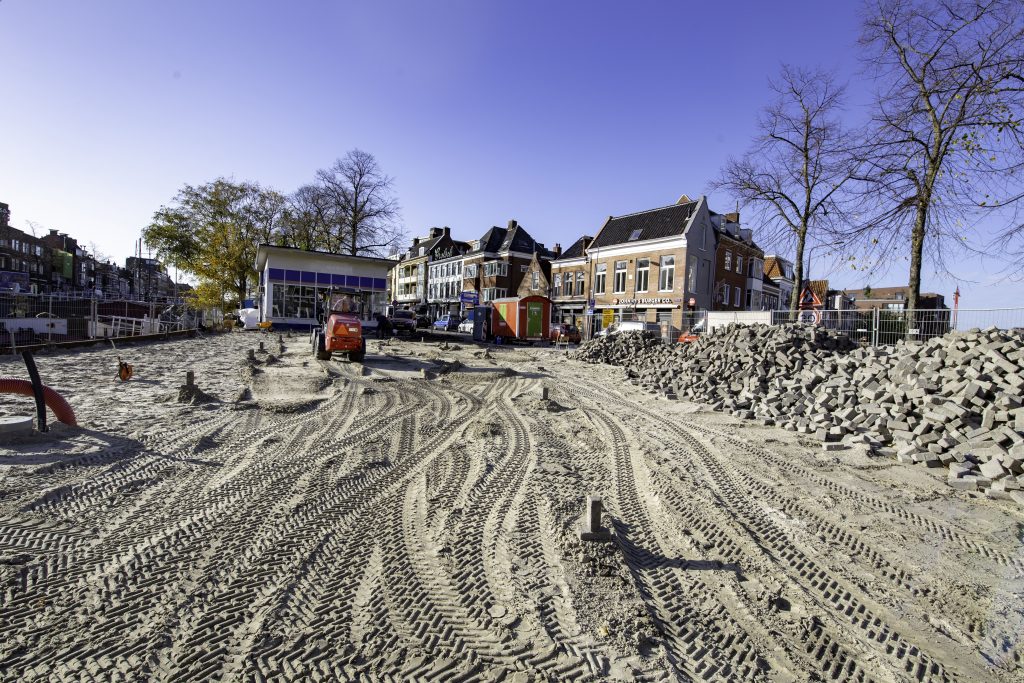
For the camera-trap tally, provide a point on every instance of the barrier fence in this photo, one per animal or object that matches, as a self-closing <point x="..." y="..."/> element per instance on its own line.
<point x="29" y="319"/>
<point x="875" y="327"/>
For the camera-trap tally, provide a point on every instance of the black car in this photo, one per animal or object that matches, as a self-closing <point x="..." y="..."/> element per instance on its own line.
<point x="422" y="321"/>
<point x="403" y="321"/>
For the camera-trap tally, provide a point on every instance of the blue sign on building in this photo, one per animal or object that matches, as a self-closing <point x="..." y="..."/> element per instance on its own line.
<point x="470" y="298"/>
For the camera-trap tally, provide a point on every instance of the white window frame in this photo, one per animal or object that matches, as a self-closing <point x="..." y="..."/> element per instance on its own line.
<point x="667" y="273"/>
<point x="739" y="263"/>
<point x="600" y="277"/>
<point x="736" y="297"/>
<point x="619" y="278"/>
<point x="643" y="274"/>
<point x="728" y="260"/>
<point x="579" y="283"/>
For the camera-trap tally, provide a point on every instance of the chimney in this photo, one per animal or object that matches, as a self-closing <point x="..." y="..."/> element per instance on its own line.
<point x="557" y="250"/>
<point x="435" y="232"/>
<point x="415" y="241"/>
<point x="447" y="232"/>
<point x="512" y="224"/>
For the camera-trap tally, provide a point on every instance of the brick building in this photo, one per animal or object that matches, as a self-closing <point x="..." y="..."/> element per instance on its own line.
<point x="24" y="261"/>
<point x="653" y="265"/>
<point x="569" y="287"/>
<point x="496" y="263"/>
<point x="739" y="270"/>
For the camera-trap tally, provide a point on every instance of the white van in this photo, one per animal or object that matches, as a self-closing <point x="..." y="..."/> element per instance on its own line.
<point x="630" y="326"/>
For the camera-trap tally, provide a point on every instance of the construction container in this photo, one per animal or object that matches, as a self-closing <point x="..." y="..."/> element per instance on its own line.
<point x="526" y="318"/>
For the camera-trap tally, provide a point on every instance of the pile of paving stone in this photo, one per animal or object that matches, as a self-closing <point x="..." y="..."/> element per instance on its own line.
<point x="954" y="401"/>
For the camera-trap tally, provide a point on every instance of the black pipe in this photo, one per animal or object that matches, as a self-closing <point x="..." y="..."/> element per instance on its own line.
<point x="37" y="389"/>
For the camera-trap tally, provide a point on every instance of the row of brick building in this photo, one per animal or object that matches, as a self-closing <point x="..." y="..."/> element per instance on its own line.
<point x="652" y="265"/>
<point x="57" y="263"/>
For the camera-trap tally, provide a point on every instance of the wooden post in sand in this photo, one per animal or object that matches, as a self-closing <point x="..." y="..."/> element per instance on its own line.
<point x="252" y="354"/>
<point x="190" y="378"/>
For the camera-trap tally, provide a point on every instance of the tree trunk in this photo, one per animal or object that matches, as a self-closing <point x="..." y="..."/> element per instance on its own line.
<point x="798" y="273"/>
<point x="916" y="250"/>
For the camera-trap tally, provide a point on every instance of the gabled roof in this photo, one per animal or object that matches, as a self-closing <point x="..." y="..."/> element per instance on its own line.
<point x="772" y="267"/>
<point x="668" y="221"/>
<point x="578" y="248"/>
<point x="517" y="239"/>
<point x="820" y="288"/>
<point x="492" y="240"/>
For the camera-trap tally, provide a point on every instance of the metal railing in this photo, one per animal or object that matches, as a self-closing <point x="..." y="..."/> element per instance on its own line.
<point x="29" y="319"/>
<point x="875" y="327"/>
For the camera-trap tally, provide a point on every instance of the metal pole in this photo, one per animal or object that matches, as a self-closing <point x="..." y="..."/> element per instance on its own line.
<point x="874" y="333"/>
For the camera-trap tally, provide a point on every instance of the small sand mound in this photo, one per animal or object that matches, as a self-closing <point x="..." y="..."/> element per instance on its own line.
<point x="194" y="395"/>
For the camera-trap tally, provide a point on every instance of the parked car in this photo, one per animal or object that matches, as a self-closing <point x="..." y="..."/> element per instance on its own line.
<point x="630" y="326"/>
<point x="422" y="321"/>
<point x="565" y="332"/>
<point x="447" y="322"/>
<point x="403" y="321"/>
<point x="466" y="326"/>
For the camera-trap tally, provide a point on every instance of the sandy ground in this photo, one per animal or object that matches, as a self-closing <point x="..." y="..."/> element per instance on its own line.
<point x="302" y="520"/>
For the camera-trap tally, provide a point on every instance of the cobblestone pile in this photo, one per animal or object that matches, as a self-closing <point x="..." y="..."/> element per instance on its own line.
<point x="955" y="401"/>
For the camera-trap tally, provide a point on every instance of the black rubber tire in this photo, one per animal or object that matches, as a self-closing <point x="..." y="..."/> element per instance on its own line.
<point x="321" y="352"/>
<point x="358" y="356"/>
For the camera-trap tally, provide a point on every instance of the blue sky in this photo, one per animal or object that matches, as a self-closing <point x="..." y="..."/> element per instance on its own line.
<point x="555" y="114"/>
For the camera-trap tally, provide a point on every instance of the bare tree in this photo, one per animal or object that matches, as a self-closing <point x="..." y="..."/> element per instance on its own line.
<point x="945" y="136"/>
<point x="361" y="211"/>
<point x="793" y="174"/>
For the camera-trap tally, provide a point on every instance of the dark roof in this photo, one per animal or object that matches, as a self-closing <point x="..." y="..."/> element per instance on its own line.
<point x="492" y="240"/>
<point x="578" y="248"/>
<point x="664" y="222"/>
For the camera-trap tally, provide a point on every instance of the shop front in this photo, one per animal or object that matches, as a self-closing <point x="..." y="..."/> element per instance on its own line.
<point x="293" y="283"/>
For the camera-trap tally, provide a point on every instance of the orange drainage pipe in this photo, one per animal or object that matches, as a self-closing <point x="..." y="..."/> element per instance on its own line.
<point x="54" y="401"/>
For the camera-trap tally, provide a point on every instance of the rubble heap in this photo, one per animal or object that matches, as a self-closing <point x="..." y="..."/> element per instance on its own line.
<point x="954" y="401"/>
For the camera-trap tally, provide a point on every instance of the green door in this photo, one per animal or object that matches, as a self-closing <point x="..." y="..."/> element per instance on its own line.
<point x="534" y="319"/>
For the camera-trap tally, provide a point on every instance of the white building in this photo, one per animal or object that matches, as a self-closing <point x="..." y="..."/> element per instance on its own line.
<point x="293" y="283"/>
<point x="445" y="289"/>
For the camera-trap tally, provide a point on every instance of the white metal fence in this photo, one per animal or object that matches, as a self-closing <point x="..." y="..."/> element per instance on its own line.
<point x="874" y="327"/>
<point x="28" y="319"/>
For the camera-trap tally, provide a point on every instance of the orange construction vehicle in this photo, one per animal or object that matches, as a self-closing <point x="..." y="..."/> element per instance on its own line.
<point x="341" y="330"/>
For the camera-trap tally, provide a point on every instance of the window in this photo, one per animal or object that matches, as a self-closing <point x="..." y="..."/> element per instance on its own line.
<point x="523" y="269"/>
<point x="535" y="280"/>
<point x="692" y="275"/>
<point x="635" y="235"/>
<point x="567" y="285"/>
<point x="579" y="284"/>
<point x="602" y="269"/>
<point x="643" y="271"/>
<point x="748" y="300"/>
<point x="496" y="268"/>
<point x="471" y="270"/>
<point x="739" y="264"/>
<point x="667" y="273"/>
<point x="558" y="282"/>
<point x="458" y="265"/>
<point x="736" y="297"/>
<point x="492" y="293"/>
<point x="619" y="283"/>
<point x="728" y="260"/>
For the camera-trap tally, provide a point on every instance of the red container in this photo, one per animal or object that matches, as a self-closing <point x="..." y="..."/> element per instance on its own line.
<point x="527" y="318"/>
